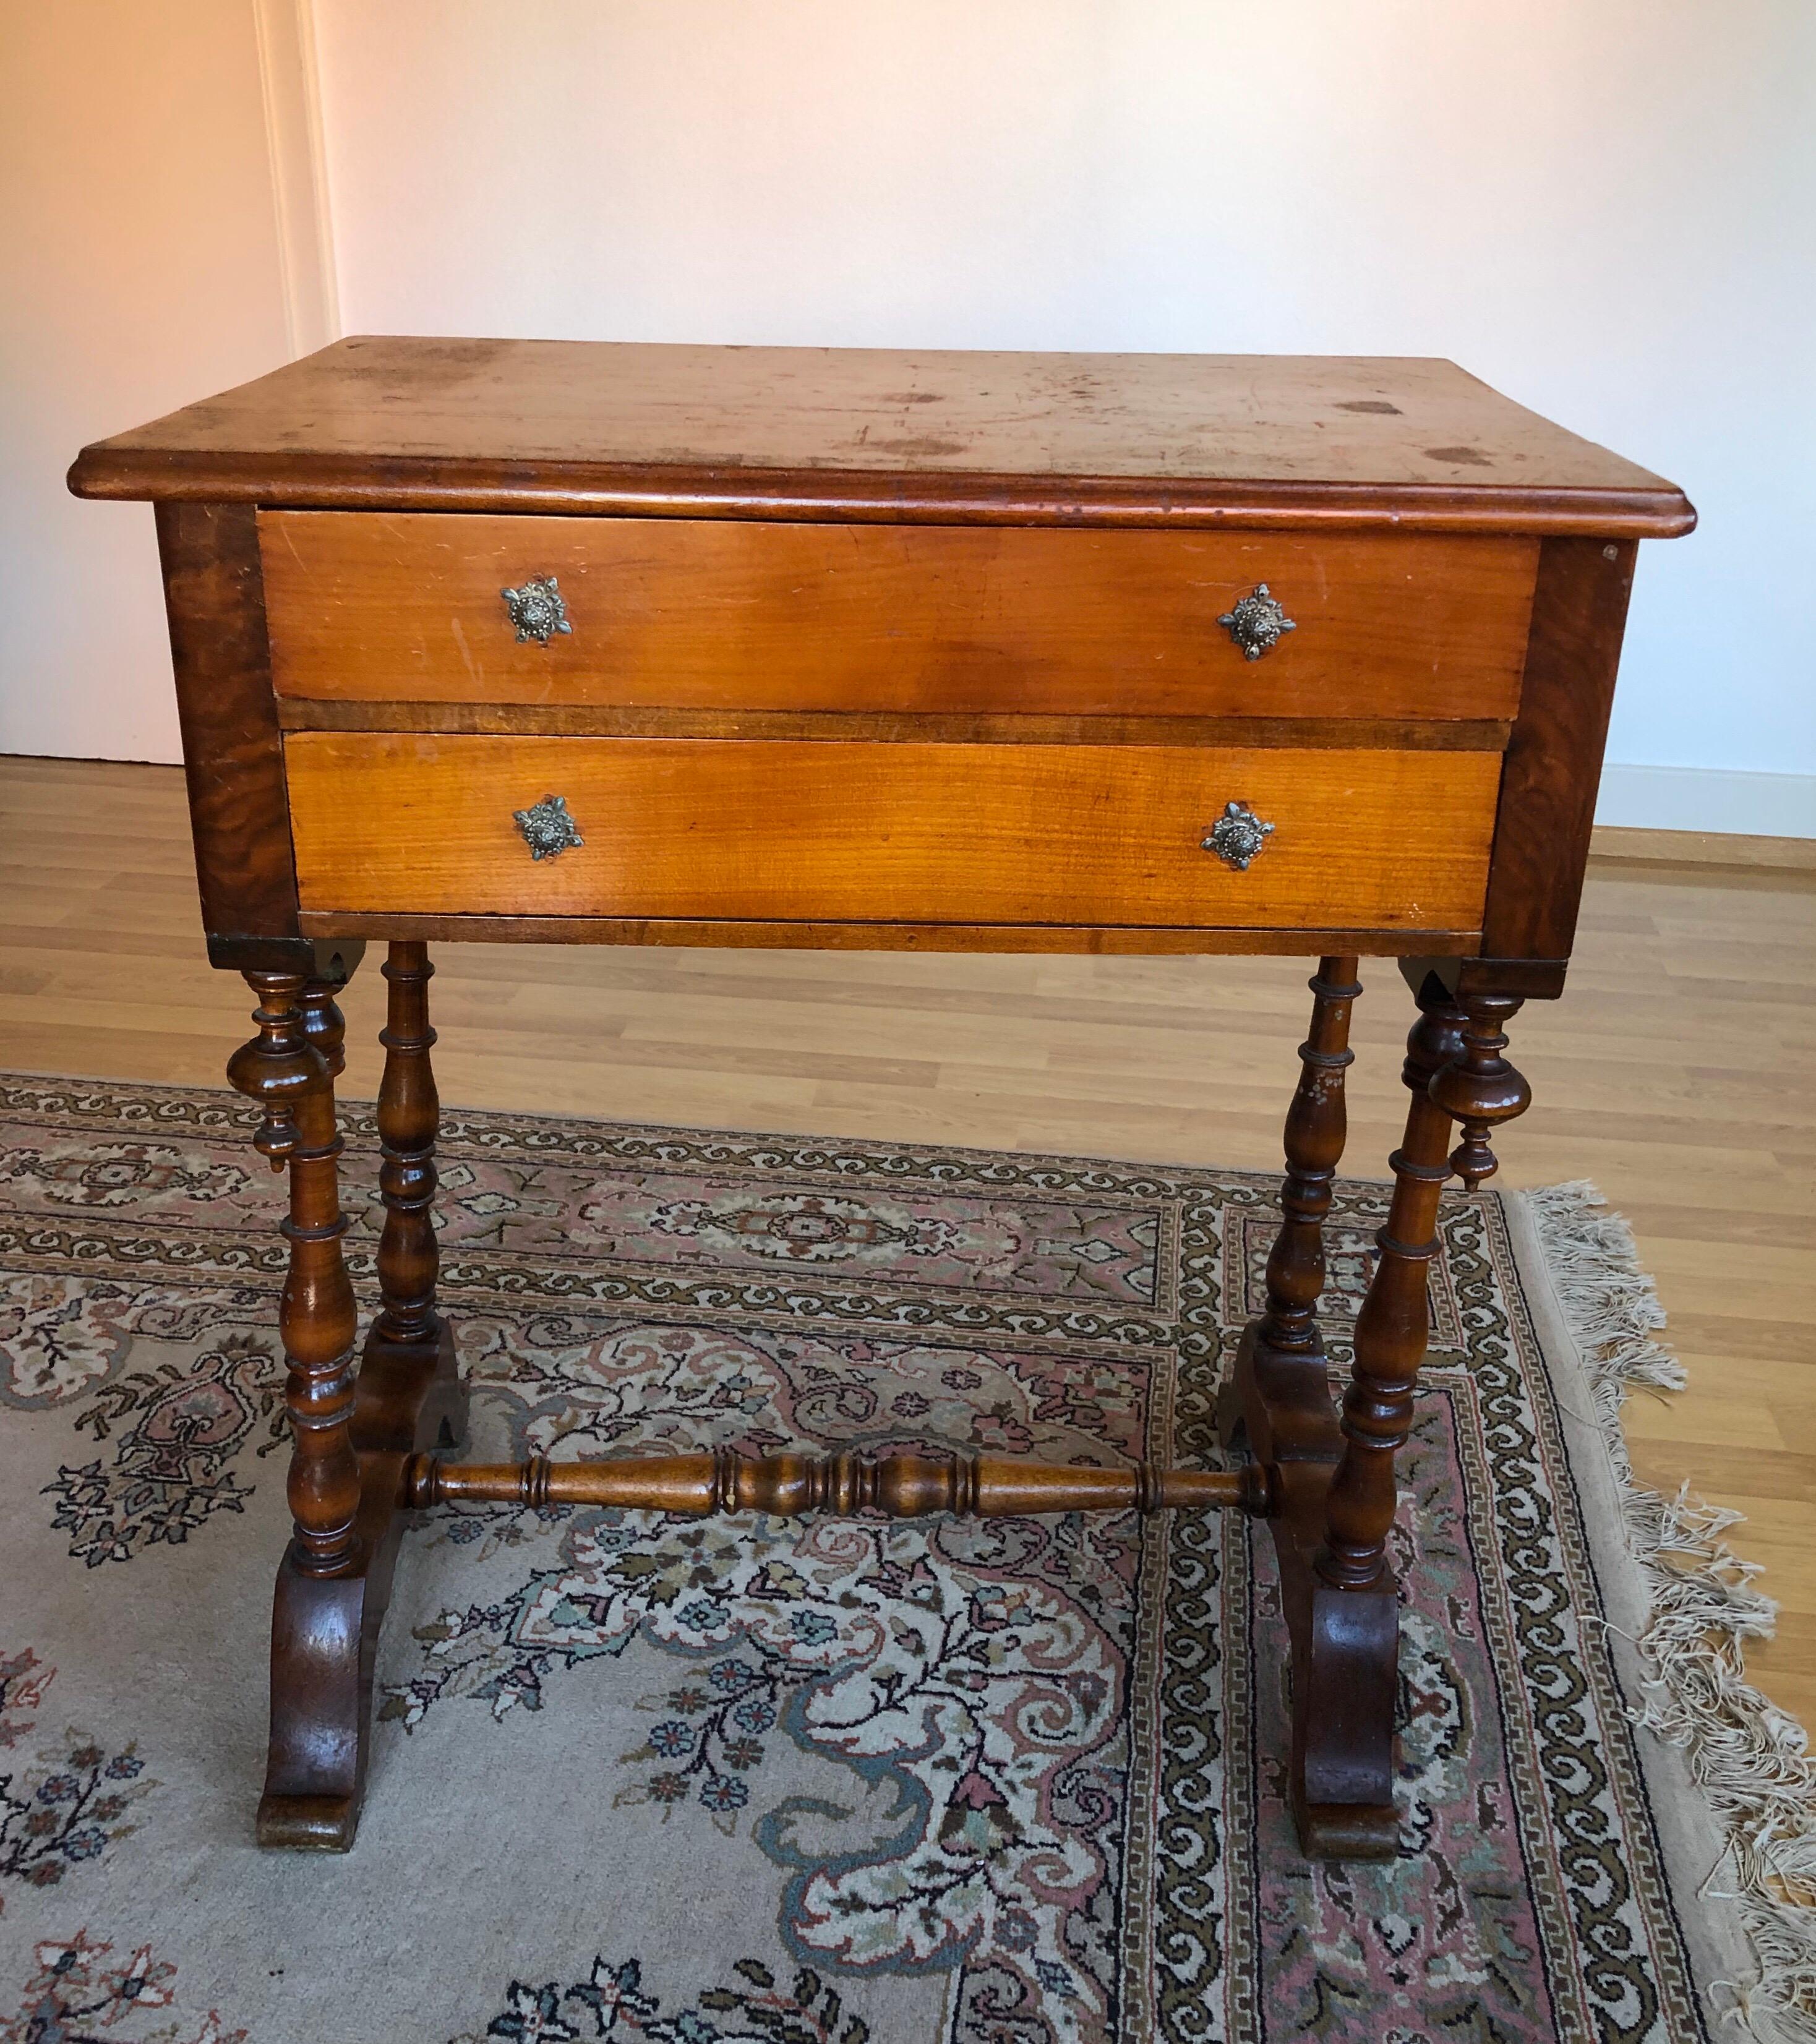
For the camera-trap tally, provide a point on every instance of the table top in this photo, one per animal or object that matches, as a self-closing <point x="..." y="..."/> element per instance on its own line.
<point x="1328" y="441"/>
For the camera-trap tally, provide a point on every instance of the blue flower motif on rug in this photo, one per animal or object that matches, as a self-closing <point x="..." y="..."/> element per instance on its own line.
<point x="610" y="2002"/>
<point x="76" y="1995"/>
<point x="70" y="1809"/>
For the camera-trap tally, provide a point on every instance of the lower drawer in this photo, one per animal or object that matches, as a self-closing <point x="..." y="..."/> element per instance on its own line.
<point x="827" y="832"/>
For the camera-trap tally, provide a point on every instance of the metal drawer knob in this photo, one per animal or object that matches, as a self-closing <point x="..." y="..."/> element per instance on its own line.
<point x="1256" y="623"/>
<point x="536" y="609"/>
<point x="1237" y="836"/>
<point x="548" y="829"/>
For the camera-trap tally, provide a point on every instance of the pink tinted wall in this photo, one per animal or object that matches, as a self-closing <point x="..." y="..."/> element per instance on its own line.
<point x="139" y="254"/>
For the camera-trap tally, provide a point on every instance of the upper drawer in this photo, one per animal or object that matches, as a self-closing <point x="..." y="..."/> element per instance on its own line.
<point x="690" y="613"/>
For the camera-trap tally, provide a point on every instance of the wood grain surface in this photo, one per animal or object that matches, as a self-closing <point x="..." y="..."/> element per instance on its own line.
<point x="902" y="1485"/>
<point x="1101" y="940"/>
<point x="1554" y="757"/>
<point x="884" y="434"/>
<point x="210" y="555"/>
<point x="1674" y="1074"/>
<point x="1379" y="734"/>
<point x="794" y="832"/>
<point x="724" y="613"/>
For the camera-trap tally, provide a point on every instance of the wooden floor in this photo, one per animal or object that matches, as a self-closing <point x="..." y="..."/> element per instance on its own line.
<point x="1676" y="1074"/>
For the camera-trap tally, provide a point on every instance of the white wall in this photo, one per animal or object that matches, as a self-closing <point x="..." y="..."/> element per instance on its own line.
<point x="138" y="269"/>
<point x="1607" y="207"/>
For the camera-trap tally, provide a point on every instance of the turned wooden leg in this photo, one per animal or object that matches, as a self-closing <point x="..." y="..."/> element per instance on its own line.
<point x="290" y="1067"/>
<point x="410" y="1114"/>
<point x="1317" y="1125"/>
<point x="1278" y="1392"/>
<point x="353" y="1433"/>
<point x="1391" y="1328"/>
<point x="1455" y="1070"/>
<point x="1346" y="1676"/>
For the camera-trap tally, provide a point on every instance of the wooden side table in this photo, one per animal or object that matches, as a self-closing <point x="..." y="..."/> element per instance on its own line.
<point x="603" y="644"/>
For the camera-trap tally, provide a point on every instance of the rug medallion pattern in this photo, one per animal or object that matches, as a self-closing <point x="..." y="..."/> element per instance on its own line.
<point x="1015" y="1783"/>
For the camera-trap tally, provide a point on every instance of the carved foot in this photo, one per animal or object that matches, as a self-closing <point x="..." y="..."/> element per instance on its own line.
<point x="1345" y="1652"/>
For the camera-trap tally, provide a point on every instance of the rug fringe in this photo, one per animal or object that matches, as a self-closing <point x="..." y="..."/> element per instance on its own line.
<point x="1752" y="1759"/>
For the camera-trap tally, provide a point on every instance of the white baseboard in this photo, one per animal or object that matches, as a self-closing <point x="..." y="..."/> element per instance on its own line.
<point x="1699" y="798"/>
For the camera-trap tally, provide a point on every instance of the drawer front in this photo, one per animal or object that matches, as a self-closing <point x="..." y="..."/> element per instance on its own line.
<point x="813" y="831"/>
<point x="728" y="614"/>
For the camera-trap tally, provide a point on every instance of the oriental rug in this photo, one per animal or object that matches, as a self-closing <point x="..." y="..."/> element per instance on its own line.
<point x="826" y="1782"/>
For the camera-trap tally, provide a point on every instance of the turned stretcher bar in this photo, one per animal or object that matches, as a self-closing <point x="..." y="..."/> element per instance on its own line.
<point x="903" y="1486"/>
